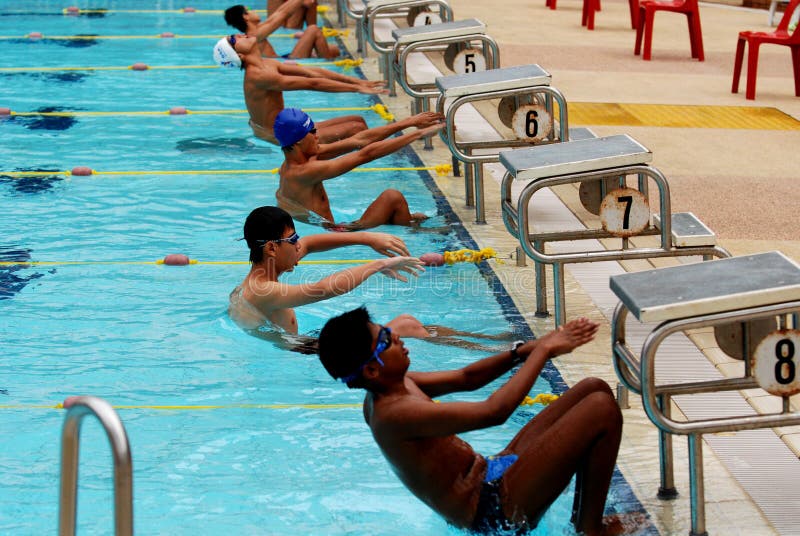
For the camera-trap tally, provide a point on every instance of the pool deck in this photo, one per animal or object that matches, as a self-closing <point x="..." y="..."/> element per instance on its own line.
<point x="735" y="176"/>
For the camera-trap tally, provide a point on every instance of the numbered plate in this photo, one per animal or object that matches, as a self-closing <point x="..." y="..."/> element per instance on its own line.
<point x="426" y="18"/>
<point x="624" y="212"/>
<point x="775" y="362"/>
<point x="469" y="61"/>
<point x="532" y="122"/>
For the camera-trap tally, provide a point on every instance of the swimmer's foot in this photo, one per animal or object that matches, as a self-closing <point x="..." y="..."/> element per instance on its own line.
<point x="619" y="524"/>
<point x="418" y="217"/>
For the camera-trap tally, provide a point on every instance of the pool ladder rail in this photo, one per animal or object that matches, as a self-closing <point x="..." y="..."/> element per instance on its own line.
<point x="77" y="408"/>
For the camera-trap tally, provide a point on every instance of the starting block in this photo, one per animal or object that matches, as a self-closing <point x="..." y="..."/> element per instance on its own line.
<point x="527" y="105"/>
<point x="609" y="164"/>
<point x="465" y="44"/>
<point x="761" y="288"/>
<point x="418" y="12"/>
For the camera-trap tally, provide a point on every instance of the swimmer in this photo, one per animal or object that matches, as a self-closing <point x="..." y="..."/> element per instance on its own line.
<point x="306" y="13"/>
<point x="265" y="80"/>
<point x="312" y="42"/>
<point x="577" y="434"/>
<point x="309" y="162"/>
<point x="263" y="306"/>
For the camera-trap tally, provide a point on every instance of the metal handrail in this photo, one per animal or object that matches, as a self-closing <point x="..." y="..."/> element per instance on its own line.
<point x="77" y="408"/>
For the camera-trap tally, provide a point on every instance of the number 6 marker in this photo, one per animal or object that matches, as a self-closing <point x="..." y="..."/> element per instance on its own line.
<point x="532" y="122"/>
<point x="775" y="363"/>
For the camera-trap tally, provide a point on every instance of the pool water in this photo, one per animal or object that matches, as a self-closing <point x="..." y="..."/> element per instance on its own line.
<point x="229" y="434"/>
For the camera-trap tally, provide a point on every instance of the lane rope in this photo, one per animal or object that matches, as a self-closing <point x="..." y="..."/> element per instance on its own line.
<point x="161" y="262"/>
<point x="166" y="35"/>
<point x="441" y="170"/>
<point x="542" y="399"/>
<point x="346" y="63"/>
<point x="379" y="109"/>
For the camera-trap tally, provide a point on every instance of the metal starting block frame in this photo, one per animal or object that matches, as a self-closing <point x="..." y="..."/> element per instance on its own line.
<point x="699" y="295"/>
<point x="606" y="162"/>
<point x="435" y="37"/>
<point x="520" y="82"/>
<point x="383" y="9"/>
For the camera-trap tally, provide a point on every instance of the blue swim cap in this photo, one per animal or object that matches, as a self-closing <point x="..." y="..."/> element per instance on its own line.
<point x="292" y="125"/>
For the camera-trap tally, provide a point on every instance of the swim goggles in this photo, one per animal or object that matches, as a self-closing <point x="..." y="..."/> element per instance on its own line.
<point x="291" y="239"/>
<point x="383" y="344"/>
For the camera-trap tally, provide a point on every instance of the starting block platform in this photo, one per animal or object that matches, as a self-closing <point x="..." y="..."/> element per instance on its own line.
<point x="466" y="47"/>
<point x="603" y="168"/>
<point x="739" y="290"/>
<point x="528" y="105"/>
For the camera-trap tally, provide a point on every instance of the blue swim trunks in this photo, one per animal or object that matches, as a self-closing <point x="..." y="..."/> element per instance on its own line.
<point x="489" y="516"/>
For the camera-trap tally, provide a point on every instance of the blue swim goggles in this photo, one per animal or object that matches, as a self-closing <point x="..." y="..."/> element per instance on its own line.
<point x="383" y="344"/>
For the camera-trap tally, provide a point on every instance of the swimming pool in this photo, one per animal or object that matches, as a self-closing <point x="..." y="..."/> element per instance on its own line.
<point x="229" y="435"/>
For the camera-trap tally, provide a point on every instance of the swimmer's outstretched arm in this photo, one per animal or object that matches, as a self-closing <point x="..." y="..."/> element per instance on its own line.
<point x="371" y="135"/>
<point x="287" y="78"/>
<point x="364" y="86"/>
<point x="426" y="419"/>
<point x="272" y="295"/>
<point x="315" y="171"/>
<point x="383" y="243"/>
<point x="484" y="371"/>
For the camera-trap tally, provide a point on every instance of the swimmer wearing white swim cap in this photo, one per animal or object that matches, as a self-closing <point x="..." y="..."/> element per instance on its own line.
<point x="266" y="79"/>
<point x="224" y="53"/>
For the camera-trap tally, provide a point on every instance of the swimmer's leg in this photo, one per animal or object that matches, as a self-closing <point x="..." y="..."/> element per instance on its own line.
<point x="406" y="325"/>
<point x="443" y="331"/>
<point x="339" y="128"/>
<point x="306" y="43"/>
<point x="310" y="12"/>
<point x="577" y="434"/>
<point x="390" y="207"/>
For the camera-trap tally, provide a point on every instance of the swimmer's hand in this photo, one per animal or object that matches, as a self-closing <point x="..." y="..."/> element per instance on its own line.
<point x="566" y="338"/>
<point x="430" y="130"/>
<point x="426" y="119"/>
<point x="387" y="244"/>
<point x="394" y="267"/>
<point x="373" y="87"/>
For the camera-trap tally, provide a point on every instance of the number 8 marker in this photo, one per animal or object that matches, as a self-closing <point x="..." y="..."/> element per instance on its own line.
<point x="775" y="363"/>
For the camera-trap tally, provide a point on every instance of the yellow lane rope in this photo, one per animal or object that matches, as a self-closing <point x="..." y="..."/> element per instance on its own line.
<point x="347" y="63"/>
<point x="441" y="169"/>
<point x="542" y="398"/>
<point x="379" y="109"/>
<point x="167" y="35"/>
<point x="161" y="262"/>
<point x="67" y="11"/>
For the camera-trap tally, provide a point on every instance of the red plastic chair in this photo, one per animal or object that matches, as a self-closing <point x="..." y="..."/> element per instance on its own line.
<point x="647" y="11"/>
<point x="591" y="6"/>
<point x="781" y="36"/>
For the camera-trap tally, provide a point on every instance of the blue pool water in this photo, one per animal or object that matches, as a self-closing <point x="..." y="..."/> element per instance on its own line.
<point x="243" y="454"/>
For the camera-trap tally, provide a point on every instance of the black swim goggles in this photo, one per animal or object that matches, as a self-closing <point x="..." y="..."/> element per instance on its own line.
<point x="383" y="344"/>
<point x="291" y="239"/>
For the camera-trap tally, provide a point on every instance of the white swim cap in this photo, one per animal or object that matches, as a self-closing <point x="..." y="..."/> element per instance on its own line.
<point x="225" y="55"/>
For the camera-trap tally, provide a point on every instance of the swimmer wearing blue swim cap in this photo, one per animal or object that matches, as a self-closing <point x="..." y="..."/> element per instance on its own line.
<point x="292" y="125"/>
